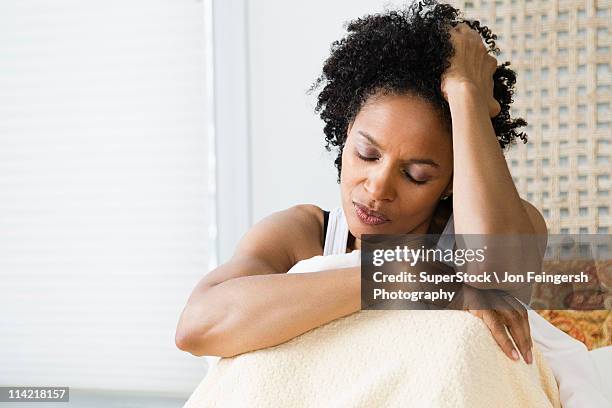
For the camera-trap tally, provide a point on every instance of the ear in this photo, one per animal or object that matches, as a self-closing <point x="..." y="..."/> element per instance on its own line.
<point x="449" y="187"/>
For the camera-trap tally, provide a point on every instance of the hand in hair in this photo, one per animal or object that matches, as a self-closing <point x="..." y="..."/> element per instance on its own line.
<point x="471" y="64"/>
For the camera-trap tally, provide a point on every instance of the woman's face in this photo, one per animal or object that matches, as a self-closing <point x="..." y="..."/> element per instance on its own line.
<point x="408" y="165"/>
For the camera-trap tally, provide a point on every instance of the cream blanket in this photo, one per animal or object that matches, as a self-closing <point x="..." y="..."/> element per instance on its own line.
<point x="381" y="358"/>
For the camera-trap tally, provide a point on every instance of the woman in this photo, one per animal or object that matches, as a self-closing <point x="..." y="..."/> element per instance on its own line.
<point x="419" y="112"/>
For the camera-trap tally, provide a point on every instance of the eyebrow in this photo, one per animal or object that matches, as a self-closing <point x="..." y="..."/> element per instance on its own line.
<point x="409" y="161"/>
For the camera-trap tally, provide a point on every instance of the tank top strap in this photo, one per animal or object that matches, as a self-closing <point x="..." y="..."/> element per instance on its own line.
<point x="324" y="231"/>
<point x="336" y="234"/>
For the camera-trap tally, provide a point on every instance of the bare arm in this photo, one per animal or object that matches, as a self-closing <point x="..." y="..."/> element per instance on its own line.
<point x="259" y="311"/>
<point x="485" y="198"/>
<point x="251" y="302"/>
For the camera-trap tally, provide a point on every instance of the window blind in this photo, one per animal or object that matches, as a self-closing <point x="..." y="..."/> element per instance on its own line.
<point x="104" y="197"/>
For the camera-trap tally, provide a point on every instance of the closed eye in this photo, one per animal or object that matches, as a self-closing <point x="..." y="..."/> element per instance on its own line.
<point x="366" y="158"/>
<point x="420" y="182"/>
<point x="408" y="176"/>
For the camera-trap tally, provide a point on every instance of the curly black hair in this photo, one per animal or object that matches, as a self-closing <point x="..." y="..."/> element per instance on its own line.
<point x="397" y="52"/>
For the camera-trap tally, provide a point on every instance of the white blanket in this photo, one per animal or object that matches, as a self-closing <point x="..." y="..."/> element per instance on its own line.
<point x="393" y="358"/>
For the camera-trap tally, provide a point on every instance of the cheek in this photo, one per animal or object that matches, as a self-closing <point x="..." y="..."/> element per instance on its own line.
<point x="350" y="169"/>
<point x="418" y="198"/>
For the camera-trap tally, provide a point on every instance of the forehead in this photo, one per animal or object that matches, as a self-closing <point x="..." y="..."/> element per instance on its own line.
<point x="403" y="123"/>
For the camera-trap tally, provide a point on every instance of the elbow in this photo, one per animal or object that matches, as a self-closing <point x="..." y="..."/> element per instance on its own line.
<point x="191" y="335"/>
<point x="210" y="340"/>
<point x="182" y="339"/>
<point x="197" y="321"/>
<point x="201" y="347"/>
<point x="211" y="327"/>
<point x="195" y="345"/>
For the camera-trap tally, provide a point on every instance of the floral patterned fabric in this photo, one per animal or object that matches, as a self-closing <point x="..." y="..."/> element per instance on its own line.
<point x="593" y="328"/>
<point x="587" y="314"/>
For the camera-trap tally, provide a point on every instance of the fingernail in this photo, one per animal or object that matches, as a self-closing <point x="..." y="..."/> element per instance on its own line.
<point x="515" y="355"/>
<point x="529" y="357"/>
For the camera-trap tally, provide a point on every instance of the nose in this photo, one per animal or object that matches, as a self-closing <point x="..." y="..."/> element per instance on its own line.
<point x="379" y="184"/>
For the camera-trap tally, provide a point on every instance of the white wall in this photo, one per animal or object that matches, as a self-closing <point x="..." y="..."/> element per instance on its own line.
<point x="288" y="43"/>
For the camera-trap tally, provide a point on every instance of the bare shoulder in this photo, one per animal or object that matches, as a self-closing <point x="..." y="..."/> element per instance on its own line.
<point x="311" y="222"/>
<point x="311" y="212"/>
<point x="273" y="245"/>
<point x="284" y="237"/>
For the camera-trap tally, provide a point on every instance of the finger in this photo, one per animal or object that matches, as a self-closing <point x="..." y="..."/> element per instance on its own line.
<point x="500" y="334"/>
<point x="516" y="319"/>
<point x="483" y="45"/>
<point x="494" y="105"/>
<point x="527" y="328"/>
<point x="492" y="62"/>
<point x="494" y="108"/>
<point x="520" y="335"/>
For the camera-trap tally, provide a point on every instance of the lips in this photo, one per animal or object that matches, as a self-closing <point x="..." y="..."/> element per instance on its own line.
<point x="369" y="216"/>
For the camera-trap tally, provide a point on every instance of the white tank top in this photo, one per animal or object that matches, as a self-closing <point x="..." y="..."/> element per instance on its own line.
<point x="336" y="235"/>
